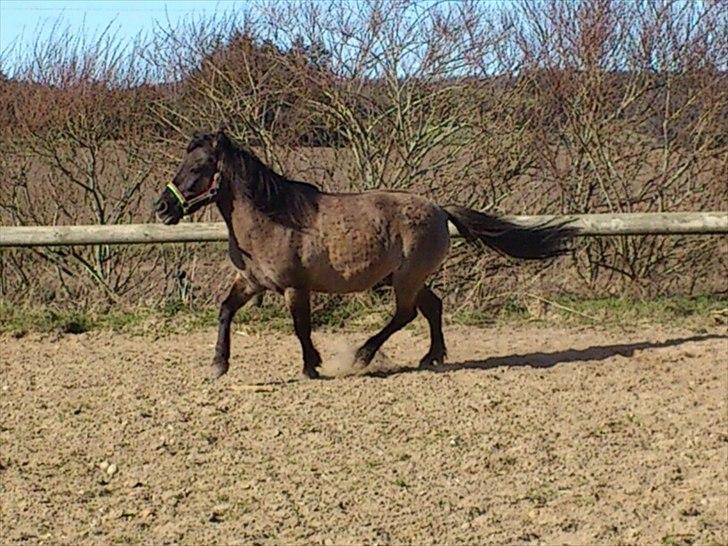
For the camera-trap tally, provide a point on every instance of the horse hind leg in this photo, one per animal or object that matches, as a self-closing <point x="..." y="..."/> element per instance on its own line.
<point x="431" y="307"/>
<point x="405" y="294"/>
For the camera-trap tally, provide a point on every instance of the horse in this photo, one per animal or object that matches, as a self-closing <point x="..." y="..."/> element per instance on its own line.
<point x="290" y="237"/>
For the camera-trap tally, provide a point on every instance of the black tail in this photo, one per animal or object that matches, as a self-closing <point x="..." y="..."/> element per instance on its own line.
<point x="537" y="242"/>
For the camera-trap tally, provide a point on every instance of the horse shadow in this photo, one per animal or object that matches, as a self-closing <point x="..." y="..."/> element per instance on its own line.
<point x="549" y="359"/>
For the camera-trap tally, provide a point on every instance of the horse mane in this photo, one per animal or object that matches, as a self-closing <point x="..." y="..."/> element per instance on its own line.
<point x="287" y="202"/>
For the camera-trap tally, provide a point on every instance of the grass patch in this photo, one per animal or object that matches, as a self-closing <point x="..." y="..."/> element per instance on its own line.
<point x="700" y="310"/>
<point x="21" y="320"/>
<point x="370" y="313"/>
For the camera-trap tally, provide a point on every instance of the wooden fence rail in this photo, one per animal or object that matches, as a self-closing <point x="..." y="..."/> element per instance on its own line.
<point x="673" y="223"/>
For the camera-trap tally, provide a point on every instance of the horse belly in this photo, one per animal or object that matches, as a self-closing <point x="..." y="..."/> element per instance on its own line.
<point x="353" y="263"/>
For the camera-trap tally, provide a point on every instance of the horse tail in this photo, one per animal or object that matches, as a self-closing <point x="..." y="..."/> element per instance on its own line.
<point x="545" y="240"/>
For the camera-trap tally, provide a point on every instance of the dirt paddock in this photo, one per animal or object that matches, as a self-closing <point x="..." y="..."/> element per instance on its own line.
<point x="529" y="435"/>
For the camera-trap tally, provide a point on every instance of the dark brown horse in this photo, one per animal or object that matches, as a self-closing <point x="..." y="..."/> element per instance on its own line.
<point x="292" y="238"/>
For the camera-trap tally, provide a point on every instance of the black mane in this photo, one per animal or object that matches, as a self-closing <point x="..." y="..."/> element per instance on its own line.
<point x="288" y="202"/>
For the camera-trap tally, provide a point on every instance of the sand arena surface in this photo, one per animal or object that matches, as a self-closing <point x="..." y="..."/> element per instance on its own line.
<point x="528" y="435"/>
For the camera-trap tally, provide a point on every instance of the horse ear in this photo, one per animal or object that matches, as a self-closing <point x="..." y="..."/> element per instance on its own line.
<point x="221" y="137"/>
<point x="198" y="139"/>
<point x="222" y="132"/>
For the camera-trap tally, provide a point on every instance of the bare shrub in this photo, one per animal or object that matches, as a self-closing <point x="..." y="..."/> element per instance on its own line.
<point x="79" y="154"/>
<point x="526" y="108"/>
<point x="634" y="108"/>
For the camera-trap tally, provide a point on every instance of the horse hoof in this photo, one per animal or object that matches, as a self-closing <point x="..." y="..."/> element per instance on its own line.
<point x="430" y="361"/>
<point x="311" y="373"/>
<point x="218" y="369"/>
<point x="363" y="358"/>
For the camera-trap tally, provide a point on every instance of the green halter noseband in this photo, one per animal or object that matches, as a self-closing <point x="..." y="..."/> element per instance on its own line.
<point x="187" y="205"/>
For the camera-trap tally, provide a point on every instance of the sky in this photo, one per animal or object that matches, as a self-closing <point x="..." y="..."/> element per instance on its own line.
<point x="24" y="23"/>
<point x="22" y="20"/>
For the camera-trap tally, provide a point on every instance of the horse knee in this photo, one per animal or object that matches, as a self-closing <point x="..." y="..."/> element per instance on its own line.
<point x="226" y="313"/>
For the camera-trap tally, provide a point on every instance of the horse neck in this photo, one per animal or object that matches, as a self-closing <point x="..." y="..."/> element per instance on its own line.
<point x="232" y="198"/>
<point x="234" y="202"/>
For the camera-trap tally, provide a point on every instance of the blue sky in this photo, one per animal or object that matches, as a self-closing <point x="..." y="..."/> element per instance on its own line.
<point x="22" y="20"/>
<point x="24" y="23"/>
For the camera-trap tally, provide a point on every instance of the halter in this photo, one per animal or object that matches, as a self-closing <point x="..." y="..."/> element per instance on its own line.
<point x="204" y="198"/>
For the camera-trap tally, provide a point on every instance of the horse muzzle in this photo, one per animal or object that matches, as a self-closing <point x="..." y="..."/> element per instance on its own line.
<point x="167" y="210"/>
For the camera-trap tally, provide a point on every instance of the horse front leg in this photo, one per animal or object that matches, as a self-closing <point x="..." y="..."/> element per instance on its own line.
<point x="240" y="292"/>
<point x="299" y="304"/>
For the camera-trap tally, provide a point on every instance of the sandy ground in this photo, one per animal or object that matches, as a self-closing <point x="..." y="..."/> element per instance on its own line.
<point x="528" y="435"/>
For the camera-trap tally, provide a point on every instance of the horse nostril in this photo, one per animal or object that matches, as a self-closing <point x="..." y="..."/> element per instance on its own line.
<point x="162" y="207"/>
